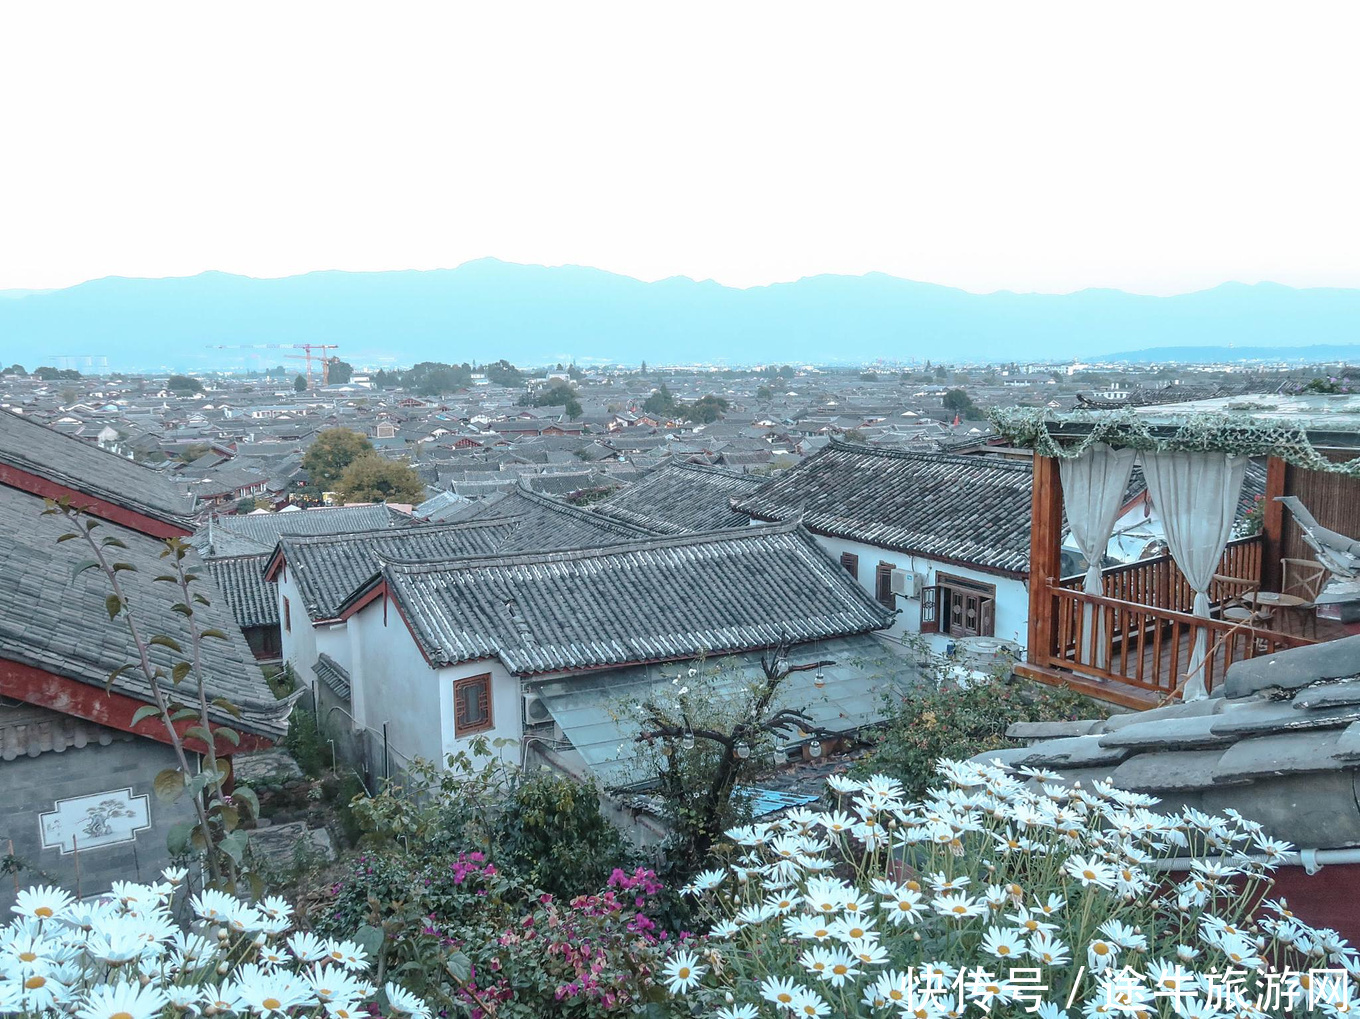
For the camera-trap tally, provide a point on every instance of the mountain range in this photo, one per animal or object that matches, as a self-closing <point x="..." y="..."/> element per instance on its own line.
<point x="532" y="314"/>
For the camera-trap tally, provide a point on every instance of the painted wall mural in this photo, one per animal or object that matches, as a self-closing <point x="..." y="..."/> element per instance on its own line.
<point x="95" y="820"/>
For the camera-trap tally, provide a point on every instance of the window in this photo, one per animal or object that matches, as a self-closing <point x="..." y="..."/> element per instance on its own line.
<point x="959" y="607"/>
<point x="471" y="705"/>
<point x="287" y="616"/>
<point x="851" y="563"/>
<point x="883" y="585"/>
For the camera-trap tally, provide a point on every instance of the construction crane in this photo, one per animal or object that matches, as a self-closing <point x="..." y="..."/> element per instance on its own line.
<point x="306" y="355"/>
<point x="322" y="356"/>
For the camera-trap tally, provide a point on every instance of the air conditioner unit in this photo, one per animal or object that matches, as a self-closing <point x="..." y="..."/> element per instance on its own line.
<point x="535" y="711"/>
<point x="907" y="584"/>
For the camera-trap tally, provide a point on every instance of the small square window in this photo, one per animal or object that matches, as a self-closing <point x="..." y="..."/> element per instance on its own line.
<point x="471" y="705"/>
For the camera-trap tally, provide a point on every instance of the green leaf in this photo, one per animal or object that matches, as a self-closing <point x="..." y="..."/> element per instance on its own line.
<point x="245" y="794"/>
<point x="109" y="541"/>
<point x="121" y="567"/>
<point x="370" y="939"/>
<point x="234" y="845"/>
<point x="200" y="600"/>
<point x="108" y="683"/>
<point x="169" y="785"/>
<point x="214" y="633"/>
<point x="167" y="578"/>
<point x="459" y="967"/>
<point x="145" y="711"/>
<point x="182" y="713"/>
<point x="178" y="837"/>
<point x="164" y="641"/>
<point x="82" y="566"/>
<point x="198" y="732"/>
<point x="67" y="537"/>
<point x="198" y="783"/>
<point x="229" y="816"/>
<point x="180" y="670"/>
<point x="113" y="604"/>
<point x="182" y="609"/>
<point x="227" y="706"/>
<point x="230" y="735"/>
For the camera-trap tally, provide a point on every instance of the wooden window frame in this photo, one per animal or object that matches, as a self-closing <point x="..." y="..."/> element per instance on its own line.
<point x="851" y="563"/>
<point x="945" y="590"/>
<point x="883" y="584"/>
<point x="460" y="727"/>
<point x="287" y="615"/>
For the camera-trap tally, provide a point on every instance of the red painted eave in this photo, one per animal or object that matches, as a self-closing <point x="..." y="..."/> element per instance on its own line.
<point x="108" y="708"/>
<point x="93" y="505"/>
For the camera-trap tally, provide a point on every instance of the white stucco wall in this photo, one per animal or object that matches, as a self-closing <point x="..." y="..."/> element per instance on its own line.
<point x="1012" y="597"/>
<point x="392" y="682"/>
<point x="299" y="640"/>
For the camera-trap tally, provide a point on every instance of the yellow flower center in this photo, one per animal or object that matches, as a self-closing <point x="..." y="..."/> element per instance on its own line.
<point x="960" y="909"/>
<point x="784" y="997"/>
<point x="683" y="972"/>
<point x="1089" y="875"/>
<point x="271" y="1003"/>
<point x="43" y="911"/>
<point x="34" y="982"/>
<point x="121" y="1015"/>
<point x="1100" y="948"/>
<point x="27" y="956"/>
<point x="840" y="969"/>
<point x="1003" y="950"/>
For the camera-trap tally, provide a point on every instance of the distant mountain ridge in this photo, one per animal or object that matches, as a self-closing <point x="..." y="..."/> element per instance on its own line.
<point x="531" y="314"/>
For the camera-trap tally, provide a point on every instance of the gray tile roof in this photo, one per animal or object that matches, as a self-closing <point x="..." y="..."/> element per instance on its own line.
<point x="547" y="523"/>
<point x="39" y="450"/>
<point x="679" y="497"/>
<point x="966" y="509"/>
<point x="334" y="675"/>
<point x="327" y="568"/>
<point x="241" y="580"/>
<point x="59" y="624"/>
<point x="1280" y="741"/>
<point x="258" y="533"/>
<point x="657" y="599"/>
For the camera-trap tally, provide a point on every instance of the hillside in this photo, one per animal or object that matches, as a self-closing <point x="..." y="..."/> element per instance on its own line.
<point x="531" y="314"/>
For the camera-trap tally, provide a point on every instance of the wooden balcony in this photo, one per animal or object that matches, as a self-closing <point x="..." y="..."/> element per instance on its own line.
<point x="1131" y="644"/>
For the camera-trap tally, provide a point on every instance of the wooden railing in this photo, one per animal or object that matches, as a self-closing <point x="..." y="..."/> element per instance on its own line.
<point x="1146" y="646"/>
<point x="1158" y="582"/>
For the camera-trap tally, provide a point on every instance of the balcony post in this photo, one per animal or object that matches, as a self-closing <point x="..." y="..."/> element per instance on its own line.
<point x="1272" y="524"/>
<point x="1045" y="556"/>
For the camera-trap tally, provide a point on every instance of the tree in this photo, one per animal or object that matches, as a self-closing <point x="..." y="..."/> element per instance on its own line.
<point x="706" y="409"/>
<point x="503" y="373"/>
<point x="47" y="373"/>
<point x="183" y="384"/>
<point x="193" y="451"/>
<point x="333" y="451"/>
<point x="339" y="372"/>
<point x="560" y="394"/>
<point x="246" y="505"/>
<point x="299" y="384"/>
<point x="15" y="369"/>
<point x="643" y="369"/>
<point x="709" y="740"/>
<point x="370" y="478"/>
<point x="962" y="404"/>
<point x="765" y="393"/>
<point x="660" y="402"/>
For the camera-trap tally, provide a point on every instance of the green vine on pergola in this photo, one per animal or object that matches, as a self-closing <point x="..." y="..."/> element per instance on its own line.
<point x="1236" y="433"/>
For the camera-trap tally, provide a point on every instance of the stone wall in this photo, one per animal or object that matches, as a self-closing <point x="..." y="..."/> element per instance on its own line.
<point x="34" y="785"/>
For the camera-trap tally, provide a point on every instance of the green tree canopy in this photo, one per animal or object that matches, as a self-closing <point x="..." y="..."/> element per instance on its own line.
<point x="560" y="394"/>
<point x="706" y="409"/>
<point x="183" y="384"/>
<point x="15" y="369"/>
<point x="370" y="478"/>
<point x="765" y="393"/>
<point x="299" y="384"/>
<point x="660" y="402"/>
<point x="339" y="372"/>
<point x="333" y="451"/>
<point x="503" y="373"/>
<point x="49" y="374"/>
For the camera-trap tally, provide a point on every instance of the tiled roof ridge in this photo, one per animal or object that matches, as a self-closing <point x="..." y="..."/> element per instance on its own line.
<point x="413" y="567"/>
<point x="558" y="506"/>
<point x="425" y="530"/>
<point x="1014" y="465"/>
<point x="708" y="469"/>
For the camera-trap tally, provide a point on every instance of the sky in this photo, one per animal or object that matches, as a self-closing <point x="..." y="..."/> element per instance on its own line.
<point x="1155" y="147"/>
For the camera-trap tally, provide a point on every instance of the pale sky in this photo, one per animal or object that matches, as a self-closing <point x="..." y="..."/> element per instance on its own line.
<point x="1157" y="147"/>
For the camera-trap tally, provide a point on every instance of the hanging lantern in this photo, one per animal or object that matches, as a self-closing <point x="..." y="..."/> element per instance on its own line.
<point x="687" y="741"/>
<point x="819" y="677"/>
<point x="743" y="749"/>
<point x="815" y="748"/>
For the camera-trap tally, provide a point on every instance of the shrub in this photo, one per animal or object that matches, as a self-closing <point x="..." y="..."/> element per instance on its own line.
<point x="304" y="741"/>
<point x="957" y="721"/>
<point x="1002" y="895"/>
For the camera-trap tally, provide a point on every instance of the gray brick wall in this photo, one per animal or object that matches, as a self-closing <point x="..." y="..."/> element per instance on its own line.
<point x="32" y="785"/>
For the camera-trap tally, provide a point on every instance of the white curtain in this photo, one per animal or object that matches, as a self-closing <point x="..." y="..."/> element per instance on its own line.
<point x="1093" y="487"/>
<point x="1195" y="496"/>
